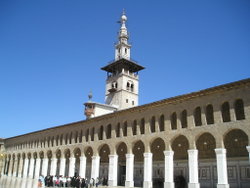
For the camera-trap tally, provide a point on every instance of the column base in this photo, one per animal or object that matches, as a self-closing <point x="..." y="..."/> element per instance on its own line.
<point x="222" y="185"/>
<point x="168" y="184"/>
<point x="112" y="183"/>
<point x="193" y="185"/>
<point x="147" y="184"/>
<point x="129" y="183"/>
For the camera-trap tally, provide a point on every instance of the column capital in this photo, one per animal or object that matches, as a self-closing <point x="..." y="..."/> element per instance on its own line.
<point x="220" y="151"/>
<point x="147" y="154"/>
<point x="129" y="155"/>
<point x="110" y="156"/>
<point x="248" y="149"/>
<point x="168" y="152"/>
<point x="192" y="151"/>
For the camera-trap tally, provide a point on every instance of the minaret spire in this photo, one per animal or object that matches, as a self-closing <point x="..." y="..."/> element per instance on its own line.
<point x="122" y="48"/>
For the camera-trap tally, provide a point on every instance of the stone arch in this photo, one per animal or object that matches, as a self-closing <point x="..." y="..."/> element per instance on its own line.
<point x="184" y="119"/>
<point x="235" y="142"/>
<point x="157" y="148"/>
<point x="197" y="116"/>
<point x="142" y="126"/>
<point x="104" y="152"/>
<point x="209" y="114"/>
<point x="134" y="127"/>
<point x="108" y="131"/>
<point x="152" y="124"/>
<point x="180" y="145"/>
<point x="77" y="153"/>
<point x="162" y="123"/>
<point x="88" y="152"/>
<point x="206" y="144"/>
<point x="173" y="119"/>
<point x="225" y="112"/>
<point x="239" y="109"/>
<point x="138" y="150"/>
<point x="121" y="150"/>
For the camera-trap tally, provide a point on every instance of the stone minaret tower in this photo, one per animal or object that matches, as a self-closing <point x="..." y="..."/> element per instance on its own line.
<point x="122" y="84"/>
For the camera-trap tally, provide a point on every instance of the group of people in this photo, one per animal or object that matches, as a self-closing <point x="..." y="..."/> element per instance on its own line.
<point x="76" y="182"/>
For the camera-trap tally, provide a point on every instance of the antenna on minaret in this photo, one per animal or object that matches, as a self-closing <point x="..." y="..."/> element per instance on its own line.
<point x="90" y="95"/>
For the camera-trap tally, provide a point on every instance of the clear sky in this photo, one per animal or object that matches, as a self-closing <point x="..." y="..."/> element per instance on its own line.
<point x="51" y="52"/>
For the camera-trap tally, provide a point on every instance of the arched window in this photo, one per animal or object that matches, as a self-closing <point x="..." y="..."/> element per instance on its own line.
<point x="61" y="139"/>
<point x="184" y="119"/>
<point x="87" y="135"/>
<point x="93" y="134"/>
<point x="162" y="123"/>
<point x="210" y="114"/>
<point x="76" y="137"/>
<point x="142" y="126"/>
<point x="80" y="137"/>
<point x="118" y="130"/>
<point x="108" y="131"/>
<point x="134" y="127"/>
<point x="125" y="126"/>
<point x="173" y="121"/>
<point x="225" y="111"/>
<point x="70" y="138"/>
<point x="152" y="124"/>
<point x="239" y="109"/>
<point x="66" y="139"/>
<point x="100" y="133"/>
<point x="125" y="50"/>
<point x="197" y="116"/>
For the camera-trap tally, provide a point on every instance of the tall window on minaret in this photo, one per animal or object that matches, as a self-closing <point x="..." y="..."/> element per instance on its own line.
<point x="125" y="50"/>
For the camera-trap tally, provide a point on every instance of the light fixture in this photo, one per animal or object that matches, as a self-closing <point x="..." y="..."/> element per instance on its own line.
<point x="158" y="146"/>
<point x="205" y="143"/>
<point x="236" y="140"/>
<point x="179" y="145"/>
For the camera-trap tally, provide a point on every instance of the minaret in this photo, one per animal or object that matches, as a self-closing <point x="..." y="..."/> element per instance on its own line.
<point x="122" y="84"/>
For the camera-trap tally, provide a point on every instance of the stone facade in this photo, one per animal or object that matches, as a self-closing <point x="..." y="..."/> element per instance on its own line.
<point x="202" y="136"/>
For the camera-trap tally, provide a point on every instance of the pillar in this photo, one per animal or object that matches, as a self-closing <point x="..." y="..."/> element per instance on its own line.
<point x="10" y="167"/>
<point x="193" y="168"/>
<point x="95" y="166"/>
<point x="113" y="162"/>
<point x="38" y="166"/>
<point x="25" y="168"/>
<point x="62" y="166"/>
<point x="169" y="169"/>
<point x="129" y="170"/>
<point x="72" y="161"/>
<point x="31" y="170"/>
<point x="15" y="167"/>
<point x="53" y="166"/>
<point x="82" y="166"/>
<point x="20" y="169"/>
<point x="221" y="168"/>
<point x="248" y="149"/>
<point x="45" y="166"/>
<point x="147" y="182"/>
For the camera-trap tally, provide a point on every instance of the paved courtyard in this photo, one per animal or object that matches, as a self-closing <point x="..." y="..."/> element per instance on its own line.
<point x="11" y="182"/>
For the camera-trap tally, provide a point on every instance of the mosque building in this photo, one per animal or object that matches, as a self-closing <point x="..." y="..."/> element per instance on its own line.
<point x="201" y="137"/>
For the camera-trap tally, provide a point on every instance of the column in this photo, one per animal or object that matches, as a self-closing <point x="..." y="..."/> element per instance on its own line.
<point x="129" y="170"/>
<point x="25" y="167"/>
<point x="72" y="161"/>
<point x="193" y="168"/>
<point x="221" y="168"/>
<point x="45" y="166"/>
<point x="147" y="183"/>
<point x="15" y="167"/>
<point x="38" y="166"/>
<point x="248" y="149"/>
<point x="113" y="162"/>
<point x="95" y="166"/>
<point x="169" y="169"/>
<point x="20" y="169"/>
<point x="82" y="166"/>
<point x="53" y="166"/>
<point x="62" y="166"/>
<point x="31" y="170"/>
<point x="10" y="167"/>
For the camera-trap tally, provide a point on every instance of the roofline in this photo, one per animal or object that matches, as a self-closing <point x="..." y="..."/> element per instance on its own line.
<point x="170" y="100"/>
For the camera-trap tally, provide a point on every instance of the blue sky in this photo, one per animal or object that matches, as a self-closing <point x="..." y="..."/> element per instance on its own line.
<point x="51" y="52"/>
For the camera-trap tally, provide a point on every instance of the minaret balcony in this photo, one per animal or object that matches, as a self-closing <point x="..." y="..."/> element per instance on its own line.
<point x="112" y="90"/>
